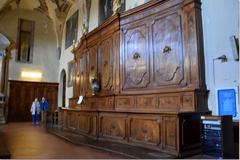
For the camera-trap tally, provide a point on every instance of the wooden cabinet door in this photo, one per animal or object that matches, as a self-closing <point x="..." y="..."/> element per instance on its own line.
<point x="106" y="64"/>
<point x="135" y="57"/>
<point x="170" y="133"/>
<point x="93" y="69"/>
<point x="83" y="74"/>
<point x="145" y="130"/>
<point x="167" y="50"/>
<point x="76" y="80"/>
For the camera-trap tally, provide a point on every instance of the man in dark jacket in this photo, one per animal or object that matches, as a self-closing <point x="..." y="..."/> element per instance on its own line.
<point x="44" y="109"/>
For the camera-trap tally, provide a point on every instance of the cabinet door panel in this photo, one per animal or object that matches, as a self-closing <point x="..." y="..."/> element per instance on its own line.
<point x="72" y="121"/>
<point x="170" y="135"/>
<point x="113" y="126"/>
<point x="136" y="58"/>
<point x="145" y="130"/>
<point x="84" y="123"/>
<point x="77" y="90"/>
<point x="93" y="62"/>
<point x="106" y="67"/>
<point x="83" y="74"/>
<point x="167" y="51"/>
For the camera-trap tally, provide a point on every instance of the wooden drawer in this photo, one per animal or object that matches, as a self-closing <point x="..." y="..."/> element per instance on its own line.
<point x="146" y="102"/>
<point x="125" y="102"/>
<point x="188" y="102"/>
<point x="145" y="129"/>
<point x="170" y="133"/>
<point x="113" y="126"/>
<point x="105" y="103"/>
<point x="169" y="102"/>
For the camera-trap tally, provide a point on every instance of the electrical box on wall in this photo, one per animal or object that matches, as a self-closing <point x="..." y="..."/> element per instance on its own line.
<point x="227" y="101"/>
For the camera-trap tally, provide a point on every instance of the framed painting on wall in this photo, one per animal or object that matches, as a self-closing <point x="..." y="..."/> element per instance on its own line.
<point x="71" y="30"/>
<point x="70" y="73"/>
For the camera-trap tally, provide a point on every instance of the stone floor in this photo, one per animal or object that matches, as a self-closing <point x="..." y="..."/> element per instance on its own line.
<point x="26" y="141"/>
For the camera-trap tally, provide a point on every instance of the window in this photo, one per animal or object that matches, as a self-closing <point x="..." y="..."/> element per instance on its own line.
<point x="25" y="41"/>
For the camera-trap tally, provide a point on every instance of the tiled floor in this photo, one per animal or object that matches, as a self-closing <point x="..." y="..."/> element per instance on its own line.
<point x="27" y="141"/>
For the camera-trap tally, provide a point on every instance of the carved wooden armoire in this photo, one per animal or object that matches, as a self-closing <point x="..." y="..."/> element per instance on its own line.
<point x="150" y="64"/>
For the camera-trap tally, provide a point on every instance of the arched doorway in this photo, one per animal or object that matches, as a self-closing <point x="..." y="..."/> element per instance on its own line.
<point x="63" y="87"/>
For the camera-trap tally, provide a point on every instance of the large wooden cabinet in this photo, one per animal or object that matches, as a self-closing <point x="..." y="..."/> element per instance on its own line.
<point x="150" y="64"/>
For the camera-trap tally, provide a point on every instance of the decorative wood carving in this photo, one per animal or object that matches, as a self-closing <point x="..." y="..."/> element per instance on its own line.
<point x="170" y="134"/>
<point x="112" y="126"/>
<point x="167" y="50"/>
<point x="145" y="130"/>
<point x="106" y="61"/>
<point x="136" y="59"/>
<point x="93" y="53"/>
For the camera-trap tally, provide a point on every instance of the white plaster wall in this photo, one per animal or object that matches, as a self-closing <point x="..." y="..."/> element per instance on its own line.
<point x="66" y="56"/>
<point x="44" y="48"/>
<point x="220" y="21"/>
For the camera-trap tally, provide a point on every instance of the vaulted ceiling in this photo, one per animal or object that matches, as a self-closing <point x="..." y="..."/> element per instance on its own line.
<point x="55" y="10"/>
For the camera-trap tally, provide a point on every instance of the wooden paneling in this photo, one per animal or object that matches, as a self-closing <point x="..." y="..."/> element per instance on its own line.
<point x="84" y="123"/>
<point x="167" y="50"/>
<point x="113" y="126"/>
<point x="83" y="74"/>
<point x="22" y="94"/>
<point x="72" y="121"/>
<point x="93" y="64"/>
<point x="150" y="65"/>
<point x="169" y="102"/>
<point x="125" y="102"/>
<point x="135" y="56"/>
<point x="170" y="134"/>
<point x="147" y="102"/>
<point x="145" y="130"/>
<point x="106" y="64"/>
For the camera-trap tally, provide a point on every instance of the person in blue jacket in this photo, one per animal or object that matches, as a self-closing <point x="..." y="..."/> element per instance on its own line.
<point x="44" y="109"/>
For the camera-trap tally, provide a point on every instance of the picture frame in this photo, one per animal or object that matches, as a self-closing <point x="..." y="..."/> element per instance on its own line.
<point x="71" y="30"/>
<point x="70" y="74"/>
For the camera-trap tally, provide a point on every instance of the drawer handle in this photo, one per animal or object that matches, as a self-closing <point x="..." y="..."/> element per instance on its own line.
<point x="136" y="56"/>
<point x="166" y="49"/>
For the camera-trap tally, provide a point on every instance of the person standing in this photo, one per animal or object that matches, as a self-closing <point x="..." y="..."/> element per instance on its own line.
<point x="38" y="110"/>
<point x="35" y="110"/>
<point x="44" y="109"/>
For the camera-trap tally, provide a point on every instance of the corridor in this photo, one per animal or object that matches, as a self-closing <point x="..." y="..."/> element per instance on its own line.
<point x="25" y="141"/>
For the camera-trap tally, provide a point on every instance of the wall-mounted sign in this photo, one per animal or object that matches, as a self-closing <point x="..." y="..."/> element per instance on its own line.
<point x="227" y="102"/>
